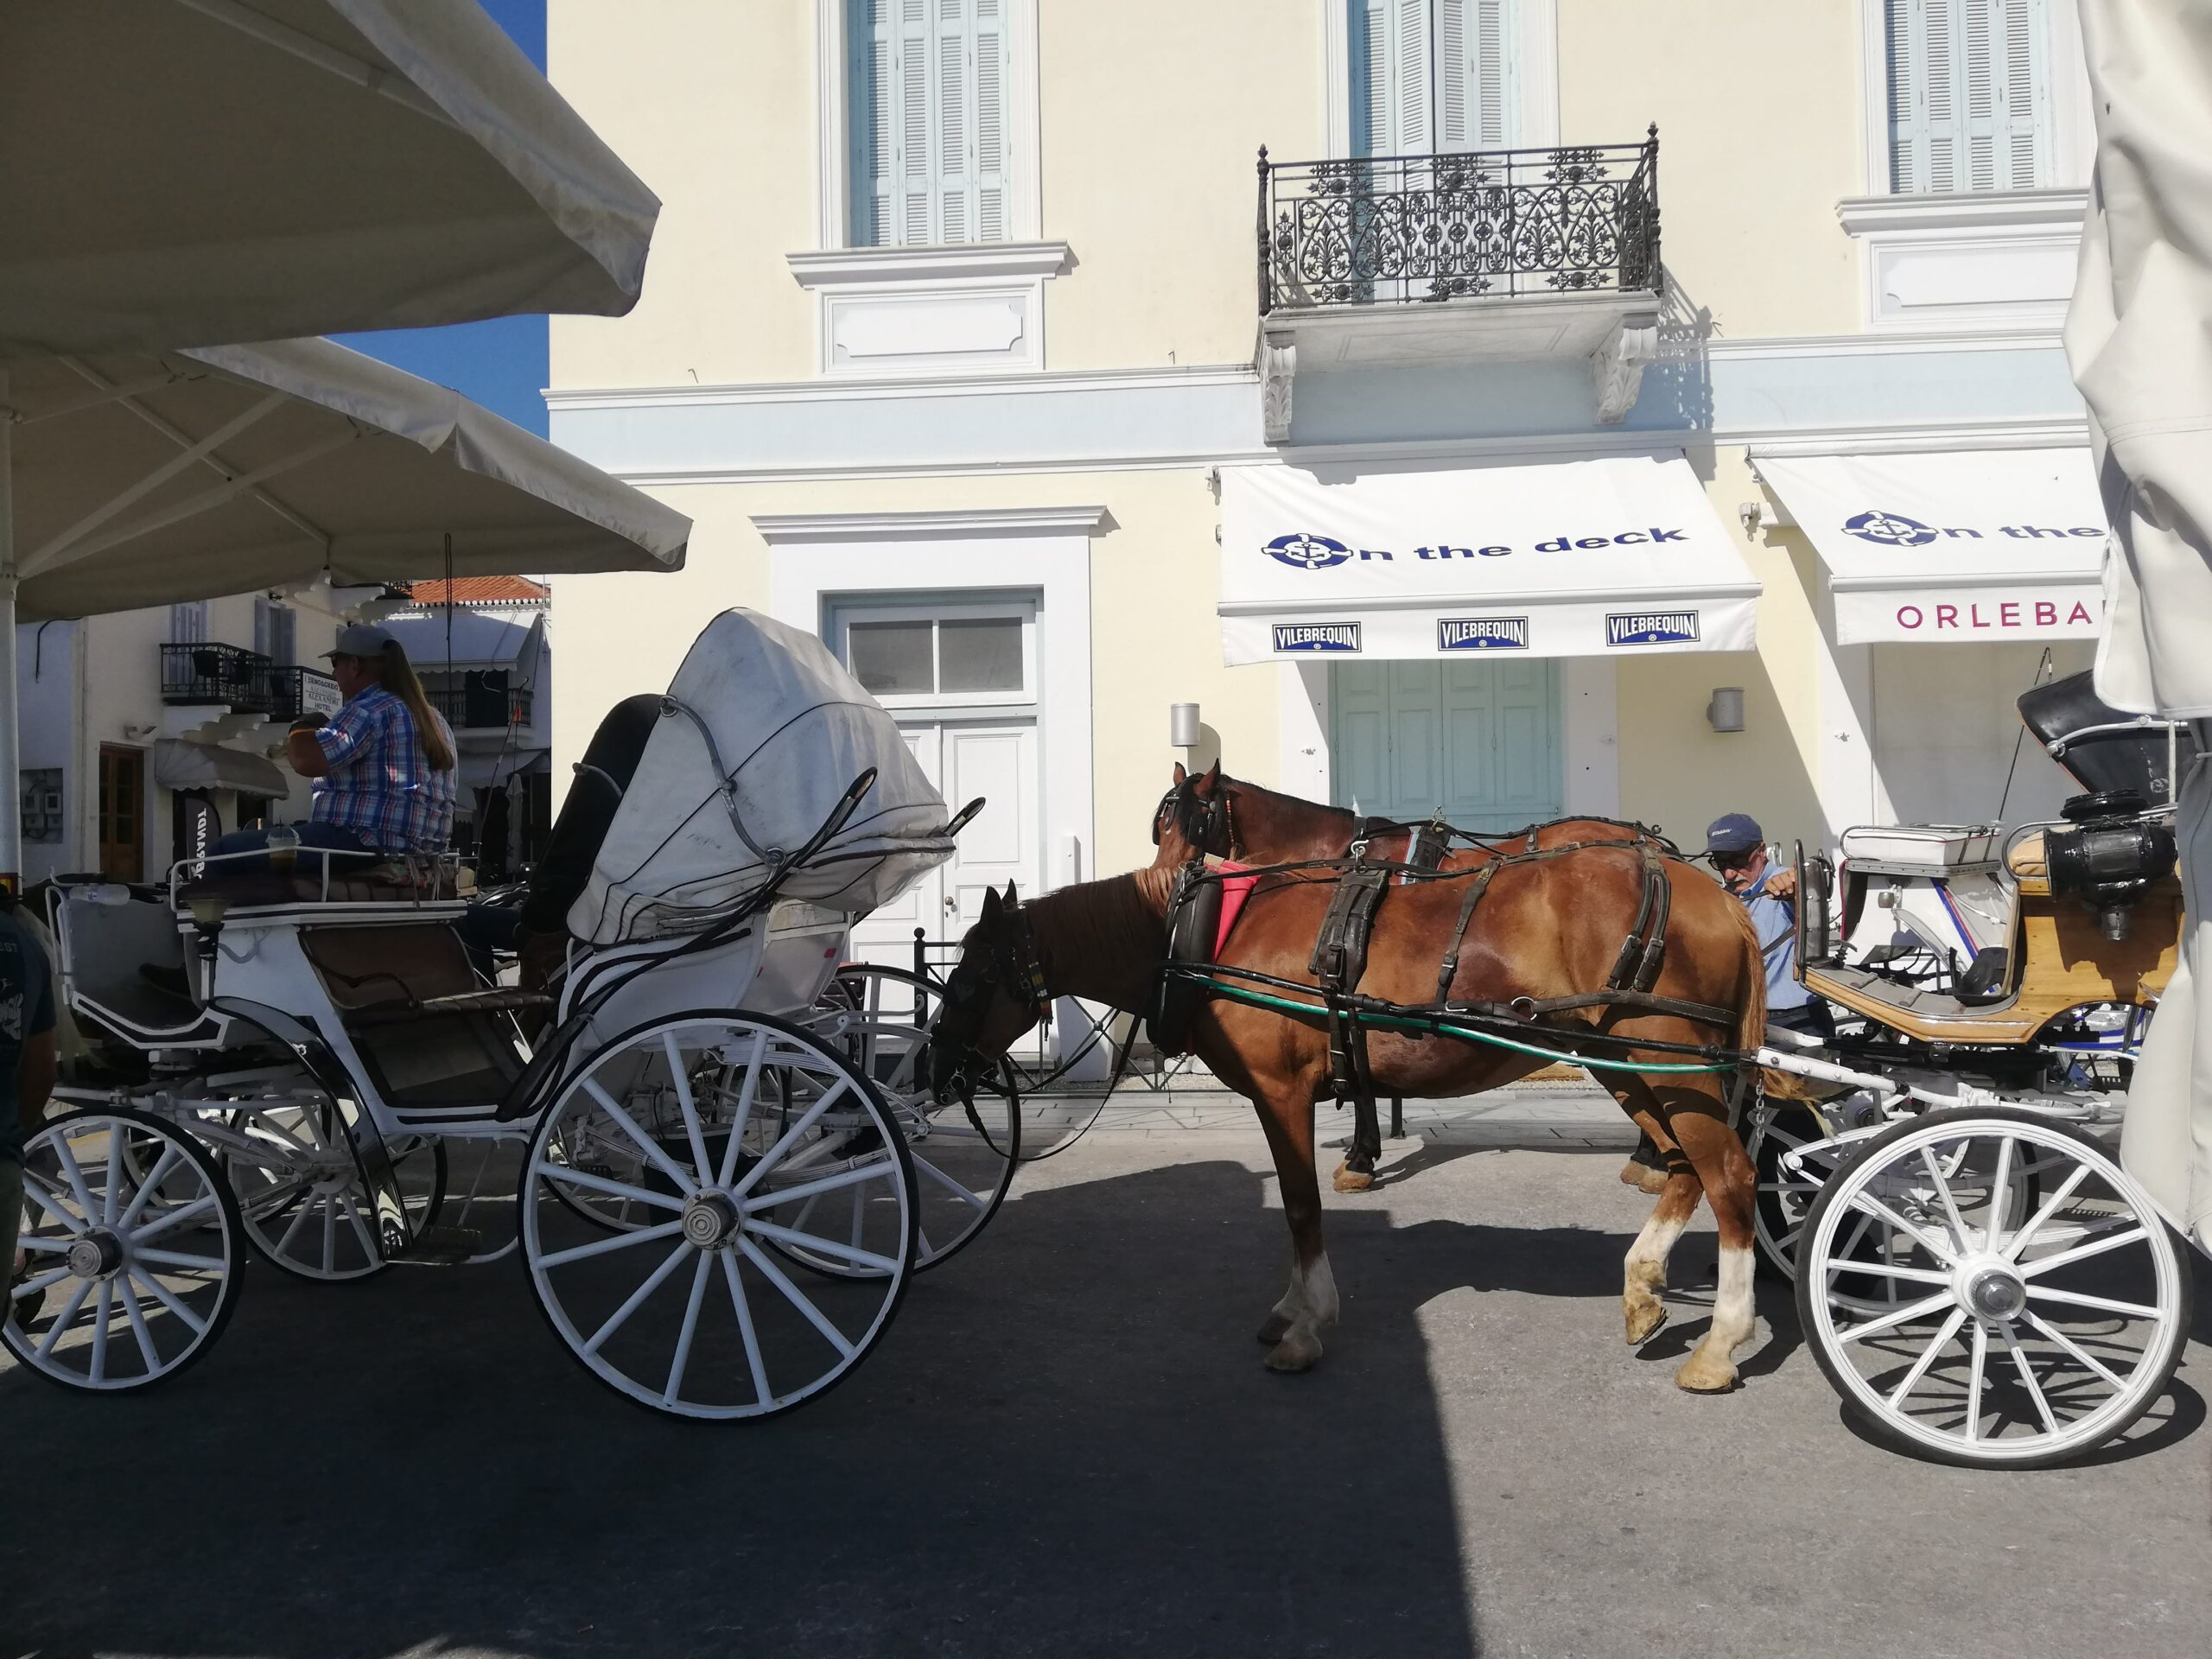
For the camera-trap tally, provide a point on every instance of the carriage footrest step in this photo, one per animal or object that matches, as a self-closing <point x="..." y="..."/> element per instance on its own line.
<point x="441" y="1247"/>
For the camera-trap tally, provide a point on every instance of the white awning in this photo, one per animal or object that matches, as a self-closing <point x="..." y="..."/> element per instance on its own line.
<point x="1618" y="556"/>
<point x="1977" y="545"/>
<point x="179" y="765"/>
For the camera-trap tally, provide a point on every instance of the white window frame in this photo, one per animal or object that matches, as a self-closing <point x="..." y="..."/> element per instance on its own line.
<point x="964" y="606"/>
<point x="2073" y="126"/>
<point x="1534" y="72"/>
<point x="832" y="158"/>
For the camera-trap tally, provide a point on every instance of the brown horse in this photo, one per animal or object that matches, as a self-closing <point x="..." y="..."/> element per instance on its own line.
<point x="1228" y="819"/>
<point x="1546" y="926"/>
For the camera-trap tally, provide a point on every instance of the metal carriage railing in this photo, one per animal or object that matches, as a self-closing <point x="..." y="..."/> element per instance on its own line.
<point x="1397" y="229"/>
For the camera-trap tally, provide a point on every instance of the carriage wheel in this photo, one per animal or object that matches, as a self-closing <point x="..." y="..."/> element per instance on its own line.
<point x="300" y="1193"/>
<point x="135" y="1252"/>
<point x="736" y="1120"/>
<point x="879" y="1020"/>
<point x="2030" y="1303"/>
<point x="1785" y="1195"/>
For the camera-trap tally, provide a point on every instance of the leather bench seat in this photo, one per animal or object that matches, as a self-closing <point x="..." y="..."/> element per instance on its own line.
<point x="502" y="1000"/>
<point x="366" y="884"/>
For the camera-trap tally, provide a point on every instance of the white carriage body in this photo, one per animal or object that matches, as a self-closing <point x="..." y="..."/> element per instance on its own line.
<point x="762" y="732"/>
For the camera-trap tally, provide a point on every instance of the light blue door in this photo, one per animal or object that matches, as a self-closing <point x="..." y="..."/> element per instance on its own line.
<point x="1481" y="741"/>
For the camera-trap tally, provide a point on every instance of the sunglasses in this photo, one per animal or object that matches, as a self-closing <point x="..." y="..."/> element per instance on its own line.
<point x="1732" y="860"/>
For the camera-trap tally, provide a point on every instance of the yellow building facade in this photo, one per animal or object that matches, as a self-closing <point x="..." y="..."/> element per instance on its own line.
<point x="953" y="346"/>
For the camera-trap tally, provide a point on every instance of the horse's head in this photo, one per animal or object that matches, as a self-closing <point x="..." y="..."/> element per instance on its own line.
<point x="1194" y="819"/>
<point x="996" y="992"/>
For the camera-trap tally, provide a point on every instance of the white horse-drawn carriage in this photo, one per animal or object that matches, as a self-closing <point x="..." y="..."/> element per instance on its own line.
<point x="728" y="1171"/>
<point x="1975" y="1274"/>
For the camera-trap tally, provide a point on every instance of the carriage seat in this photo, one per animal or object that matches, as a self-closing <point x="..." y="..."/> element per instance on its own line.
<point x="365" y="884"/>
<point x="395" y="976"/>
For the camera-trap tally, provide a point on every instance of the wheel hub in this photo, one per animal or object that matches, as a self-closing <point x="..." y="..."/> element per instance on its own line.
<point x="96" y="1255"/>
<point x="710" y="1219"/>
<point x="1991" y="1288"/>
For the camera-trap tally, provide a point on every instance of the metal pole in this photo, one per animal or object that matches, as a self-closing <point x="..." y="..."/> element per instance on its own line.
<point x="11" y="815"/>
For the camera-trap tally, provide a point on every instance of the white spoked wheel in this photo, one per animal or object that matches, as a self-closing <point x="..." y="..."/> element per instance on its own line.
<point x="1988" y="1286"/>
<point x="879" y="1020"/>
<point x="133" y="1249"/>
<point x="1785" y="1195"/>
<point x="729" y="1123"/>
<point x="300" y="1194"/>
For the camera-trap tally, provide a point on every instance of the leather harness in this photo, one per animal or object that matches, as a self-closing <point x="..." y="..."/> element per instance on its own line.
<point x="1340" y="949"/>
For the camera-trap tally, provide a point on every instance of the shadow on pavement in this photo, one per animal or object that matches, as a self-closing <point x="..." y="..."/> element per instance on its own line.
<point x="1065" y="1446"/>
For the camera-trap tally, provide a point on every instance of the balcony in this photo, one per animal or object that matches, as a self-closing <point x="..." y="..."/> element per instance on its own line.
<point x="200" y="673"/>
<point x="1482" y="255"/>
<point x="481" y="704"/>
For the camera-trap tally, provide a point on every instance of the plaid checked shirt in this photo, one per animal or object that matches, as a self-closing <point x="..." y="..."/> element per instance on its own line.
<point x="380" y="785"/>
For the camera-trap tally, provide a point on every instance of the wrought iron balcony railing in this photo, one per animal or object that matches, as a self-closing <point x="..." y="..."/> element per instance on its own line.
<point x="481" y="707"/>
<point x="202" y="672"/>
<point x="1395" y="229"/>
<point x="286" y="693"/>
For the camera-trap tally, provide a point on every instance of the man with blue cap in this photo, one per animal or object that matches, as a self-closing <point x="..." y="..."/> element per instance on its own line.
<point x="1736" y="848"/>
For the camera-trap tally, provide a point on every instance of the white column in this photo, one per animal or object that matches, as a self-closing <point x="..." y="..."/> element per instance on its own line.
<point x="1848" y="775"/>
<point x="11" y="816"/>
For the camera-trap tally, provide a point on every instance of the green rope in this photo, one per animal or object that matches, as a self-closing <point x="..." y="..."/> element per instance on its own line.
<point x="1444" y="1028"/>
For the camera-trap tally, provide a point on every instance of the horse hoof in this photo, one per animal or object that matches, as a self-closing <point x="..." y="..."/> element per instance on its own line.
<point x="1276" y="1328"/>
<point x="1702" y="1374"/>
<point x="1653" y="1182"/>
<point x="1353" y="1180"/>
<point x="1644" y="1322"/>
<point x="1294" y="1354"/>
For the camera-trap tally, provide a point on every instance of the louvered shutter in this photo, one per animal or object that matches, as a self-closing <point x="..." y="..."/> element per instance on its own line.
<point x="928" y="121"/>
<point x="1411" y="81"/>
<point x="990" y="154"/>
<point x="872" y="112"/>
<point x="1968" y="83"/>
<point x="917" y="173"/>
<point x="1473" y="74"/>
<point x="1370" y="78"/>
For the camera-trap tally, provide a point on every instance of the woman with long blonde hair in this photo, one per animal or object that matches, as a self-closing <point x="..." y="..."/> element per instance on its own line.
<point x="382" y="770"/>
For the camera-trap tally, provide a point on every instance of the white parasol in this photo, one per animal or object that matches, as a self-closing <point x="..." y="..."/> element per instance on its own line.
<point x="139" y="479"/>
<point x="2139" y="338"/>
<point x="188" y="172"/>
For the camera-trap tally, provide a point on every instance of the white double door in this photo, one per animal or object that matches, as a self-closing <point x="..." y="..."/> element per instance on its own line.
<point x="996" y="758"/>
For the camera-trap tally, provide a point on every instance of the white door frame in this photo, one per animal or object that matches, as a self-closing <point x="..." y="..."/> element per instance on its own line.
<point x="815" y="559"/>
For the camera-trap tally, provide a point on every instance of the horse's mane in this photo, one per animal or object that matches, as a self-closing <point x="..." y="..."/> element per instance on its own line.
<point x="1104" y="939"/>
<point x="1296" y="803"/>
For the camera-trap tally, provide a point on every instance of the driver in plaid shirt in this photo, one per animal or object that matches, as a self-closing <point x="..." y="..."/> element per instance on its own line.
<point x="379" y="783"/>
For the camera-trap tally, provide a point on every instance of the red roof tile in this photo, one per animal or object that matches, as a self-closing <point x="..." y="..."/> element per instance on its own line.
<point x="479" y="590"/>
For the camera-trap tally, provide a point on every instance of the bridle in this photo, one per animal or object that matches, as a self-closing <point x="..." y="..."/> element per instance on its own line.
<point x="1012" y="964"/>
<point x="1204" y="820"/>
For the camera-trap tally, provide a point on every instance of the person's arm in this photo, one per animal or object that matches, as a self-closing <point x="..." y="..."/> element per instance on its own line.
<point x="305" y="753"/>
<point x="317" y="754"/>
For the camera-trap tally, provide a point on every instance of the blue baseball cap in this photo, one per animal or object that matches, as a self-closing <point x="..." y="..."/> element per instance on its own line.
<point x="1733" y="832"/>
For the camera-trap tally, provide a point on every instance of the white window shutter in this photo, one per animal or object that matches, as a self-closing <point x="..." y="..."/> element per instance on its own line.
<point x="1454" y="76"/>
<point x="1968" y="95"/>
<point x="872" y="121"/>
<point x="990" y="157"/>
<point x="1412" y="79"/>
<point x="1474" y="77"/>
<point x="1491" y="79"/>
<point x="955" y="126"/>
<point x="917" y="173"/>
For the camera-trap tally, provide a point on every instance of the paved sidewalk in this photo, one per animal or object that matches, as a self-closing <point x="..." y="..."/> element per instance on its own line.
<point x="1560" y="1117"/>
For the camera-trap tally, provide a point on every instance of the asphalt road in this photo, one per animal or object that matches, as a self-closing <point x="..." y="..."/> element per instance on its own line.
<point x="1067" y="1446"/>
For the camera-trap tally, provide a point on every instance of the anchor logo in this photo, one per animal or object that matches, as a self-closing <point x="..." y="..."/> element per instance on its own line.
<point x="1889" y="529"/>
<point x="1303" y="551"/>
